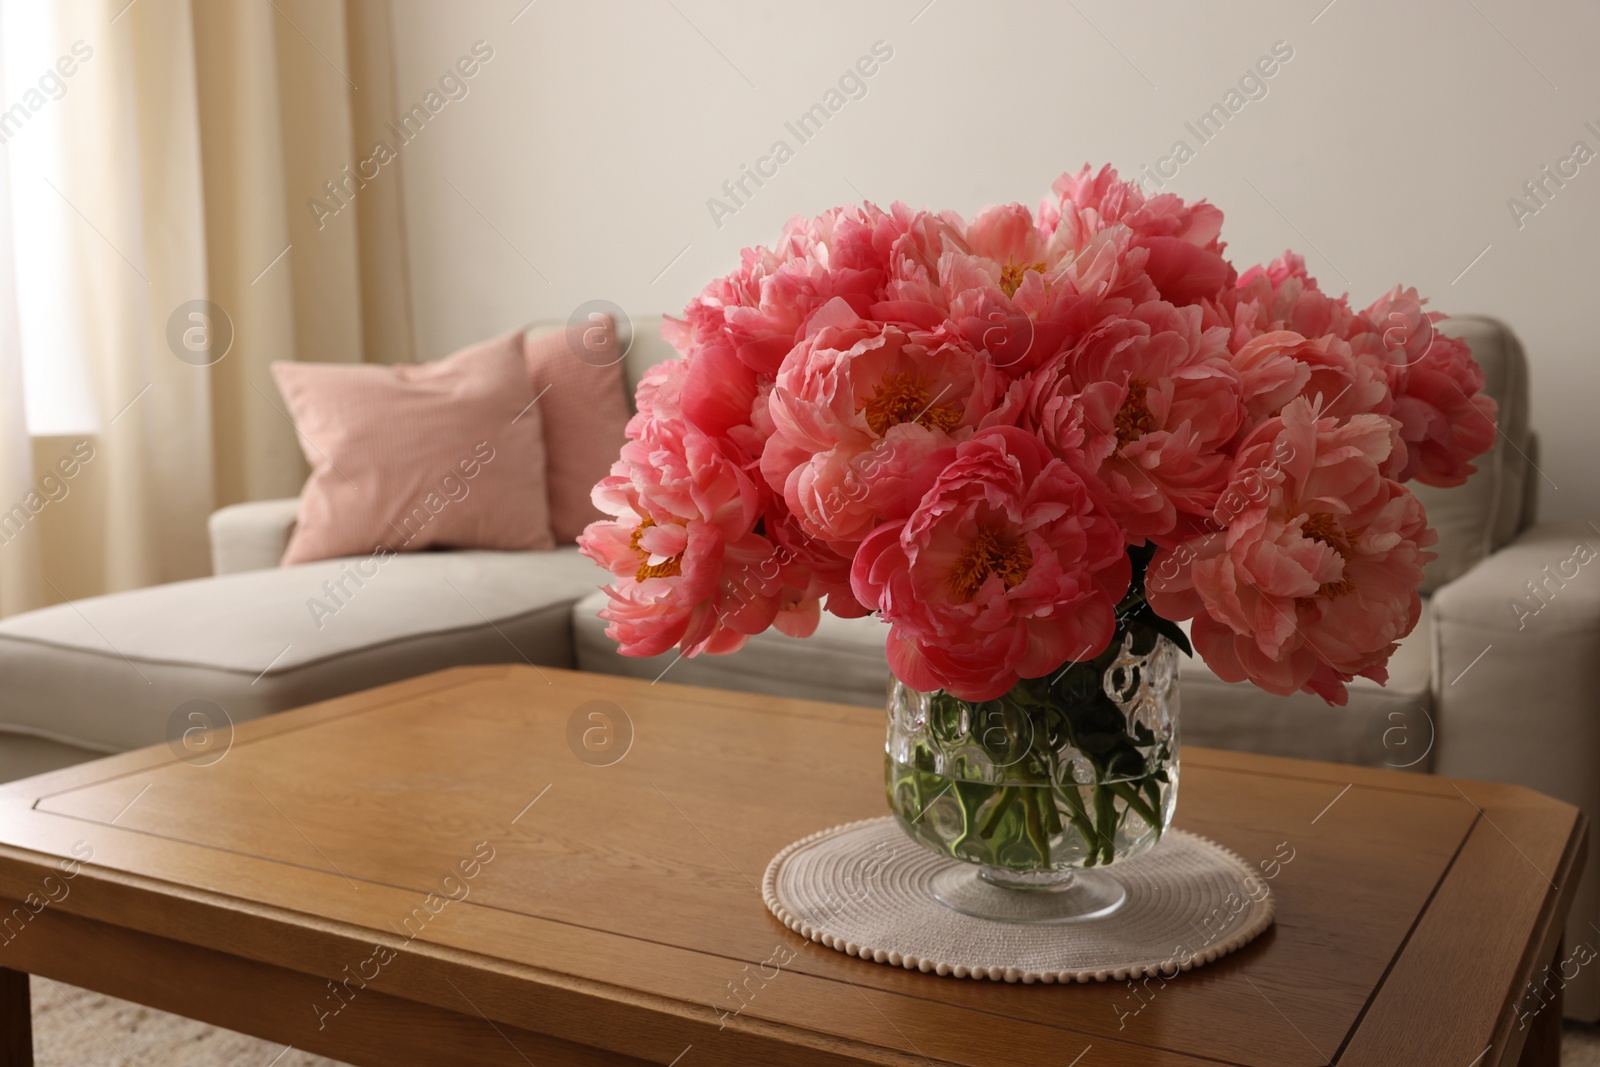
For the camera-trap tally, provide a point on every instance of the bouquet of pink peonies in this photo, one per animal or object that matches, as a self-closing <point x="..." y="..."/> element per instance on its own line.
<point x="1012" y="436"/>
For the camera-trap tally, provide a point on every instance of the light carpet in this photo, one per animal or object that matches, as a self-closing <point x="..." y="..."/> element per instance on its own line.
<point x="73" y="1027"/>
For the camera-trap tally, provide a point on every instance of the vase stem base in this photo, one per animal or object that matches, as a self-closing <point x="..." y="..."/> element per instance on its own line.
<point x="1045" y="897"/>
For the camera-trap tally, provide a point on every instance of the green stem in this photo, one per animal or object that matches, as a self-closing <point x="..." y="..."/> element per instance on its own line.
<point x="1047" y="808"/>
<point x="1079" y="815"/>
<point x="969" y="807"/>
<point x="1152" y="789"/>
<point x="1035" y="826"/>
<point x="1008" y="798"/>
<point x="1105" y="817"/>
<point x="1135" y="802"/>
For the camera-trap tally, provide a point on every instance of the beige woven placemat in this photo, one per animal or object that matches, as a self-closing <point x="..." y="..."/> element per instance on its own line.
<point x="864" y="888"/>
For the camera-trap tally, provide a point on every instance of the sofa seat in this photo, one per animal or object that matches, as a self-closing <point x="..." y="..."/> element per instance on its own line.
<point x="844" y="662"/>
<point x="106" y="674"/>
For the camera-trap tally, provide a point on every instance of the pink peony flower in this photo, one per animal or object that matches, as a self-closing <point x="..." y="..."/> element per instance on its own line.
<point x="1008" y="568"/>
<point x="1445" y="420"/>
<point x="862" y="414"/>
<point x="963" y="426"/>
<point x="1280" y="365"/>
<point x="1184" y="254"/>
<point x="762" y="335"/>
<point x="815" y="573"/>
<point x="914" y="244"/>
<point x="1151" y="403"/>
<point x="1315" y="577"/>
<point x="1282" y="296"/>
<point x="1006" y="251"/>
<point x="681" y="546"/>
<point x="1023" y="296"/>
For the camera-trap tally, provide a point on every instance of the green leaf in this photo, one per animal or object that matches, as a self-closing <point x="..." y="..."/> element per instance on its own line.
<point x="1165" y="627"/>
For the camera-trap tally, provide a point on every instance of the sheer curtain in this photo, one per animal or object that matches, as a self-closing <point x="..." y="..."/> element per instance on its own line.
<point x="164" y="182"/>
<point x="20" y="574"/>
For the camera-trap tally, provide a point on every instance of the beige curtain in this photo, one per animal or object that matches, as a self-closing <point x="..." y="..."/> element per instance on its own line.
<point x="21" y="579"/>
<point x="196" y="139"/>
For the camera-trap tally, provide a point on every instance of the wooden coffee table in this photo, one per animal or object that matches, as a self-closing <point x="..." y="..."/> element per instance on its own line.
<point x="460" y="869"/>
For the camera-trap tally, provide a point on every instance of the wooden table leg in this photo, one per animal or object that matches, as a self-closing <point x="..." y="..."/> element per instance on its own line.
<point x="16" y="1020"/>
<point x="1543" y="1047"/>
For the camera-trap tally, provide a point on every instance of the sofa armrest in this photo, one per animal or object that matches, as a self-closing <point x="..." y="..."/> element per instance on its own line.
<point x="252" y="536"/>
<point x="1516" y="681"/>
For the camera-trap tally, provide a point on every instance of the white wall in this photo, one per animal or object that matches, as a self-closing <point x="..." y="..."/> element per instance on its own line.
<point x="1385" y="150"/>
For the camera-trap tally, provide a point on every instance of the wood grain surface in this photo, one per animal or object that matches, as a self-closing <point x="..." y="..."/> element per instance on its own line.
<point x="447" y="852"/>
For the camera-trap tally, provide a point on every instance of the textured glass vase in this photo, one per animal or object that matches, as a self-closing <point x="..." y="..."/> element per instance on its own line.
<point x="1040" y="790"/>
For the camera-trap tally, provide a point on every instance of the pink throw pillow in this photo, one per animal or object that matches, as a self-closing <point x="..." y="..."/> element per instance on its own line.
<point x="578" y="378"/>
<point x="447" y="454"/>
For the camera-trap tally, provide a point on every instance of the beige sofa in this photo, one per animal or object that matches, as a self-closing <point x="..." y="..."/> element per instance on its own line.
<point x="1481" y="689"/>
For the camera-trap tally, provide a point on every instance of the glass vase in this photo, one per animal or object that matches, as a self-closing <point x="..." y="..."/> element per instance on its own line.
<point x="1040" y="792"/>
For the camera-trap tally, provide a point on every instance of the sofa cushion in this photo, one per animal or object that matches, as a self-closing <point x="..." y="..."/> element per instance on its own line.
<point x="1381" y="726"/>
<point x="107" y="673"/>
<point x="1476" y="518"/>
<point x="585" y="416"/>
<point x="842" y="662"/>
<point x="412" y="456"/>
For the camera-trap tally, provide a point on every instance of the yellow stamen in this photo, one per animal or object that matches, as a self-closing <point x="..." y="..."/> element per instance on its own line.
<point x="665" y="569"/>
<point x="1133" y="419"/>
<point x="904" y="397"/>
<point x="1323" y="527"/>
<point x="992" y="552"/>
<point x="1011" y="276"/>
